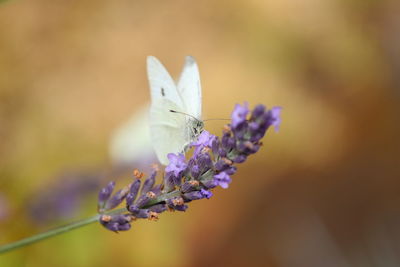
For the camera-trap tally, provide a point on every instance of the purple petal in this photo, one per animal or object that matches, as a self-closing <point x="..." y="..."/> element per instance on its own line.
<point x="105" y="193"/>
<point x="205" y="139"/>
<point x="149" y="183"/>
<point x="176" y="164"/>
<point x="239" y="114"/>
<point x="222" y="179"/>
<point x="276" y="117"/>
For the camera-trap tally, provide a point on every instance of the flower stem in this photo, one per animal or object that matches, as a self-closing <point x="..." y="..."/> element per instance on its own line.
<point x="47" y="234"/>
<point x="71" y="226"/>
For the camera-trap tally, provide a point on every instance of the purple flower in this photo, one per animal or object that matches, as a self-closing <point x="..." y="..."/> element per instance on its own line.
<point x="195" y="171"/>
<point x="228" y="142"/>
<point x="169" y="181"/>
<point x="149" y="183"/>
<point x="134" y="189"/>
<point x="226" y="165"/>
<point x="177" y="203"/>
<point x="239" y="115"/>
<point x="276" y="117"/>
<point x="195" y="195"/>
<point x="157" y="190"/>
<point x="209" y="183"/>
<point x="115" y="223"/>
<point x="116" y="199"/>
<point x="213" y="162"/>
<point x="257" y="112"/>
<point x="105" y="194"/>
<point x="142" y="200"/>
<point x="261" y="122"/>
<point x="247" y="148"/>
<point x="190" y="186"/>
<point x="240" y="159"/>
<point x="176" y="164"/>
<point x="159" y="208"/>
<point x="139" y="213"/>
<point x="222" y="164"/>
<point x="206" y="194"/>
<point x="204" y="161"/>
<point x="205" y="139"/>
<point x="222" y="179"/>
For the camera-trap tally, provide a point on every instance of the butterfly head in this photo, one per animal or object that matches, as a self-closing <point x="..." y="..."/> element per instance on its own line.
<point x="197" y="127"/>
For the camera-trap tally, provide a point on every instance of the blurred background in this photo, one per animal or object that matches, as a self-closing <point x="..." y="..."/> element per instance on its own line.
<point x="324" y="191"/>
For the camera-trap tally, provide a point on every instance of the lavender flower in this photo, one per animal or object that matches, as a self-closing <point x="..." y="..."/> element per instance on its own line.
<point x="239" y="115"/>
<point x="205" y="139"/>
<point x="275" y="117"/>
<point x="116" y="199"/>
<point x="105" y="194"/>
<point x="174" y="171"/>
<point x="176" y="203"/>
<point x="222" y="179"/>
<point x="194" y="195"/>
<point x="212" y="164"/>
<point x="176" y="164"/>
<point x="134" y="189"/>
<point x="116" y="223"/>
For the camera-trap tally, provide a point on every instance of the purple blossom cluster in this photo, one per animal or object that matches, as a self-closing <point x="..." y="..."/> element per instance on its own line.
<point x="212" y="164"/>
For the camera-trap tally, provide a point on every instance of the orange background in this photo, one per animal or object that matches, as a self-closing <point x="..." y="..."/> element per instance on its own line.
<point x="324" y="191"/>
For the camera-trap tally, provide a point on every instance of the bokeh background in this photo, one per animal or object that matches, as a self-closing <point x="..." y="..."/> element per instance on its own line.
<point x="324" y="191"/>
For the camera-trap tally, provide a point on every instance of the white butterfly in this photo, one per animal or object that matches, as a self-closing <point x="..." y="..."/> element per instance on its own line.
<point x="175" y="113"/>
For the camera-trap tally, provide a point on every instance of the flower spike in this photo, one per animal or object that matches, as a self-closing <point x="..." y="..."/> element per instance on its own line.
<point x="212" y="164"/>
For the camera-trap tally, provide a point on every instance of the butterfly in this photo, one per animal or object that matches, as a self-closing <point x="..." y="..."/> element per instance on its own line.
<point x="175" y="112"/>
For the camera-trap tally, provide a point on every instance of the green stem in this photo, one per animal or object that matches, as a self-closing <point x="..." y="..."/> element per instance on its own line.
<point x="69" y="227"/>
<point x="47" y="234"/>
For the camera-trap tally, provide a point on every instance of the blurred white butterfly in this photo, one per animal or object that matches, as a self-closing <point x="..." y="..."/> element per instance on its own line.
<point x="130" y="142"/>
<point x="175" y="113"/>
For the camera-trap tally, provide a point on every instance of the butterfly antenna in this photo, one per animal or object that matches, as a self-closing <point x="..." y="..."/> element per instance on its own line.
<point x="183" y="113"/>
<point x="219" y="119"/>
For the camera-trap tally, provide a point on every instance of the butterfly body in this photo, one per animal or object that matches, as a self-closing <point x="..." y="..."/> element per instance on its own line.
<point x="175" y="112"/>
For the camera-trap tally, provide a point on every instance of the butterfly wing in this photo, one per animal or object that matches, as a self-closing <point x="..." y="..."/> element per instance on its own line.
<point x="162" y="86"/>
<point x="167" y="129"/>
<point x="167" y="134"/>
<point x="130" y="142"/>
<point x="189" y="88"/>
